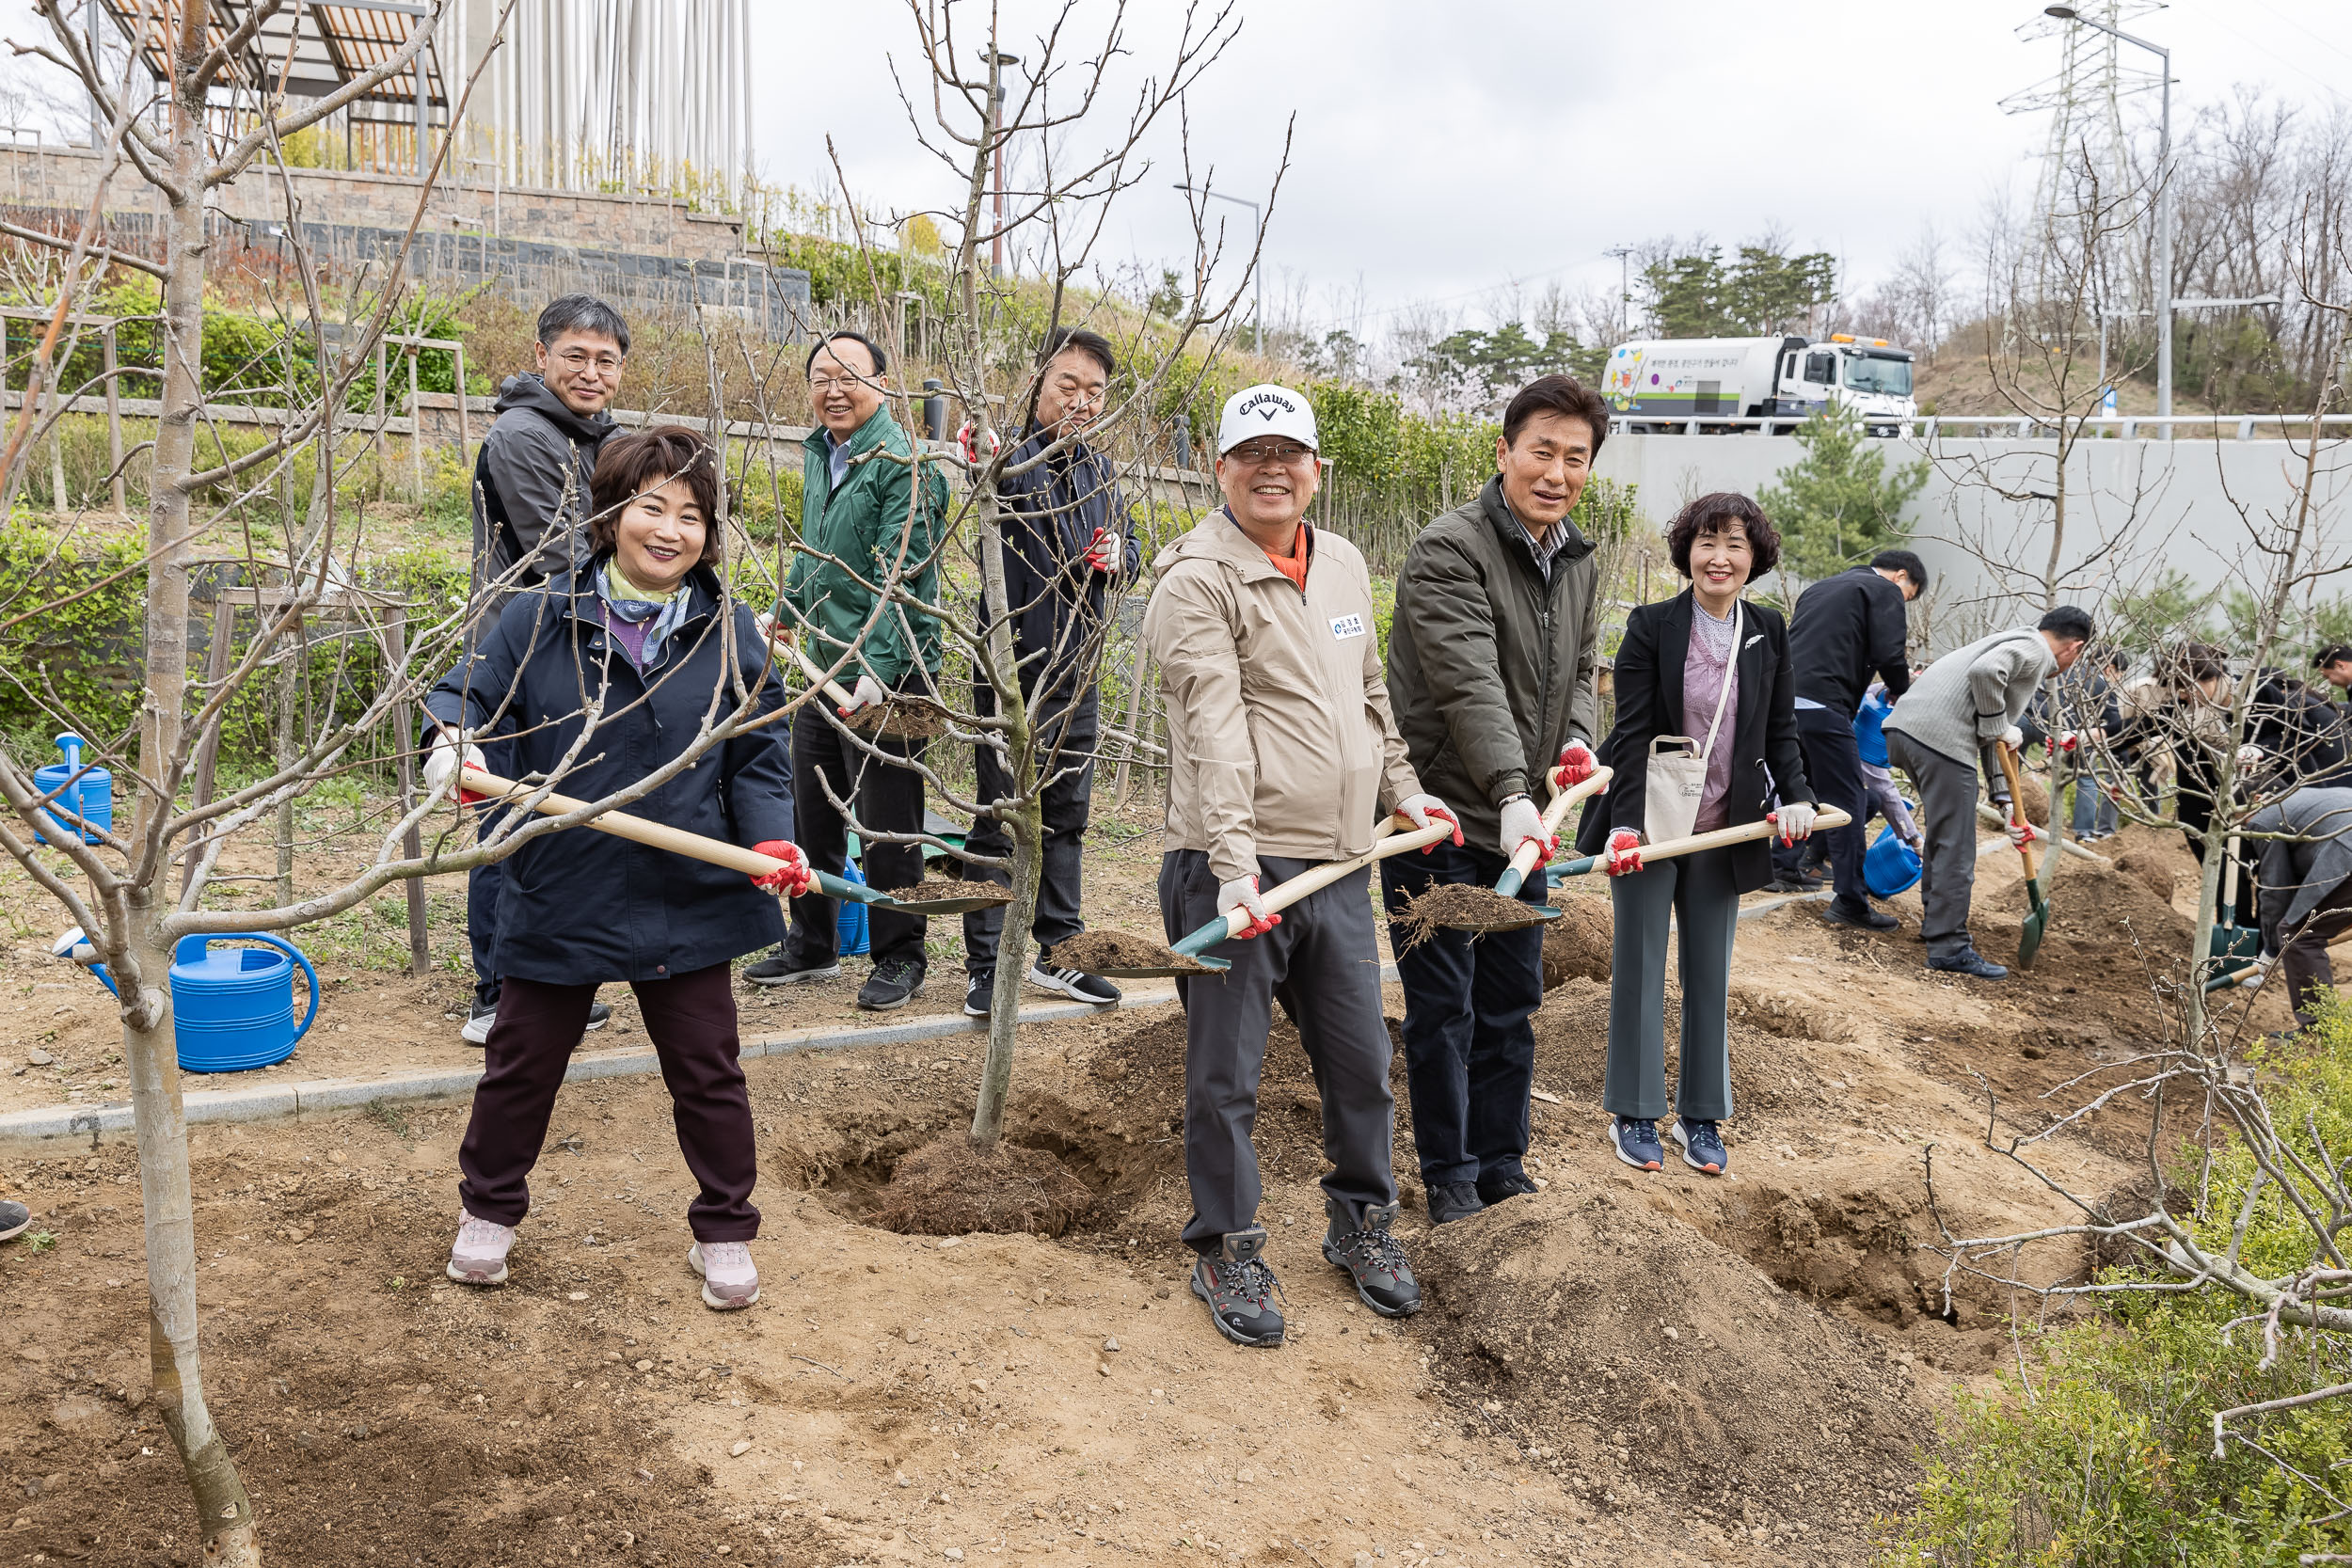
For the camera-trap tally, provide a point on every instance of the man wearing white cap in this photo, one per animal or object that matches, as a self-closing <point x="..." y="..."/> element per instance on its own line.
<point x="1282" y="755"/>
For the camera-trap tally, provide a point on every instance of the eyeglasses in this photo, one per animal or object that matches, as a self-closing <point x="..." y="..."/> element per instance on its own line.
<point x="578" y="360"/>
<point x="822" y="383"/>
<point x="1258" y="452"/>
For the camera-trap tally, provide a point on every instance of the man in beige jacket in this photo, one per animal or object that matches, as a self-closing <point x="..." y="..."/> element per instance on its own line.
<point x="1282" y="755"/>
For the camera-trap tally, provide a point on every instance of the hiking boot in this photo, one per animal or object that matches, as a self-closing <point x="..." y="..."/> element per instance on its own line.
<point x="1838" y="912"/>
<point x="785" y="970"/>
<point x="1969" y="961"/>
<point x="1702" y="1146"/>
<point x="1367" y="1251"/>
<point x="1240" y="1290"/>
<point x="479" y="1254"/>
<point x="1494" y="1189"/>
<point x="1453" y="1200"/>
<point x="483" y="1016"/>
<point x="979" y="992"/>
<point x="1635" y="1140"/>
<point x="730" y="1278"/>
<point x="1090" y="988"/>
<point x="15" y="1219"/>
<point x="890" y="985"/>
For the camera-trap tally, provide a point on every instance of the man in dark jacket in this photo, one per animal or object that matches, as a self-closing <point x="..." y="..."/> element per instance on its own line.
<point x="529" y="523"/>
<point x="1067" y="538"/>
<point x="1492" y="660"/>
<point x="1846" y="628"/>
<point x="2306" y="888"/>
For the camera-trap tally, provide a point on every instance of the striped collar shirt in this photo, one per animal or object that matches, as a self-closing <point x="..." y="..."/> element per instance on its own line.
<point x="1545" y="546"/>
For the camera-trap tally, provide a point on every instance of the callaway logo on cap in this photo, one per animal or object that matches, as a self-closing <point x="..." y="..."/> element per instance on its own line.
<point x="1265" y="410"/>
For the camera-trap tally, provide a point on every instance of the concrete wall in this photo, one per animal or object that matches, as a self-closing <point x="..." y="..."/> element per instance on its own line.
<point x="2135" y="509"/>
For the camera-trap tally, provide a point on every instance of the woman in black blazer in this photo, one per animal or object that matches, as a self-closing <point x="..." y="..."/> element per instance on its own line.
<point x="1670" y="678"/>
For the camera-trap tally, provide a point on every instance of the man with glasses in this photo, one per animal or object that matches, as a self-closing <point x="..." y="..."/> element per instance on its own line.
<point x="866" y="518"/>
<point x="1283" y="755"/>
<point x="1067" y="539"/>
<point x="531" y="522"/>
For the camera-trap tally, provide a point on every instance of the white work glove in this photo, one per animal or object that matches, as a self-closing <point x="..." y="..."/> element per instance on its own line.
<point x="2066" y="740"/>
<point x="2261" y="972"/>
<point x="2020" y="833"/>
<point x="1521" y="821"/>
<point x="442" y="762"/>
<point x="1104" y="551"/>
<point x="1795" y="818"/>
<point x="1624" y="852"/>
<point x="1242" y="893"/>
<point x="1427" y="811"/>
<point x="770" y="630"/>
<point x="869" y="693"/>
<point x="2013" y="738"/>
<point x="2249" y="757"/>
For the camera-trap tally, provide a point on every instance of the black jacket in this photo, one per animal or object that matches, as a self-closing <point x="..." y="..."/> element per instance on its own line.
<point x="530" y="485"/>
<point x="1764" y="751"/>
<point x="1845" y="627"/>
<point x="580" y="906"/>
<point x="1052" y="512"/>
<point x="2301" y="733"/>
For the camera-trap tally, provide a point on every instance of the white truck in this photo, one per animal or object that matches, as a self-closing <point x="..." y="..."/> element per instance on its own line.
<point x="1664" y="384"/>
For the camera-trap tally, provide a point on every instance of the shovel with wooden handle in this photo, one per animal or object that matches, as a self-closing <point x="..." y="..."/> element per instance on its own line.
<point x="1827" y="817"/>
<point x="1485" y="913"/>
<point x="933" y="715"/>
<point x="660" y="835"/>
<point x="2038" y="913"/>
<point x="1523" y="859"/>
<point x="1386" y="841"/>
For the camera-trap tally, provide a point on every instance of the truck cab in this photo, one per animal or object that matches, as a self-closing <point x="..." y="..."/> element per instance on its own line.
<point x="1865" y="374"/>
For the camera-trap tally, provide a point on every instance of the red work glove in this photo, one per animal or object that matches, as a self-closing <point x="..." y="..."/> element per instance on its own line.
<point x="1577" y="762"/>
<point x="967" y="442"/>
<point x="1624" y="850"/>
<point x="1242" y="893"/>
<point x="792" y="878"/>
<point x="1099" y="551"/>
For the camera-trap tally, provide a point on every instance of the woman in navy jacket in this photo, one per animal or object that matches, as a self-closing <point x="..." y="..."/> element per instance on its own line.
<point x="633" y="642"/>
<point x="1670" y="674"/>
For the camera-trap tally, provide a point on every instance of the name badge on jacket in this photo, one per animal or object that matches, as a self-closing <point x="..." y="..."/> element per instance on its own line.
<point x="1347" y="626"/>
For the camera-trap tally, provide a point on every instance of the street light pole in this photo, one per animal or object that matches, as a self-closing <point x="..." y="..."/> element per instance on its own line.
<point x="1625" y="284"/>
<point x="1257" y="261"/>
<point x="2163" y="203"/>
<point x="998" y="60"/>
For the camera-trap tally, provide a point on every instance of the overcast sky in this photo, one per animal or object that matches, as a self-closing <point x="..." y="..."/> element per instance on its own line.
<point x="1443" y="150"/>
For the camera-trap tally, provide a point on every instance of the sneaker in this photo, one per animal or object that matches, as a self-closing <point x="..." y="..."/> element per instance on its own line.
<point x="1494" y="1189"/>
<point x="598" y="1016"/>
<point x="890" y="985"/>
<point x="730" y="1278"/>
<point x="15" y="1219"/>
<point x="1865" y="918"/>
<point x="978" y="993"/>
<point x="1702" y="1146"/>
<point x="1969" y="961"/>
<point x="483" y="1015"/>
<point x="1090" y="988"/>
<point x="1367" y="1250"/>
<point x="1453" y="1200"/>
<point x="479" y="1254"/>
<point x="785" y="970"/>
<point x="1795" y="884"/>
<point x="1240" y="1290"/>
<point x="1635" y="1139"/>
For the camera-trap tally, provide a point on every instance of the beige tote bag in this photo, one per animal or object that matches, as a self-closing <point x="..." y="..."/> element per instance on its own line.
<point x="1678" y="776"/>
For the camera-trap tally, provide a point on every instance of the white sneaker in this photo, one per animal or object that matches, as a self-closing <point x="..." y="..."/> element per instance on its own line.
<point x="1090" y="988"/>
<point x="730" y="1278"/>
<point x="479" y="1254"/>
<point x="479" y="1018"/>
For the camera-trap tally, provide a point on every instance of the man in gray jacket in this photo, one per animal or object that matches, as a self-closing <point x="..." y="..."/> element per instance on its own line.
<point x="531" y="521"/>
<point x="1492" y="660"/>
<point x="1939" y="731"/>
<point x="2305" y="882"/>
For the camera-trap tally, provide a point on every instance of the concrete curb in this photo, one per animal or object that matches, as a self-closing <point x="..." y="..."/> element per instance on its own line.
<point x="325" y="1096"/>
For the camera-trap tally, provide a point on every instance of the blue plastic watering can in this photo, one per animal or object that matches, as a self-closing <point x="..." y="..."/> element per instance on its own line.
<point x="231" y="1008"/>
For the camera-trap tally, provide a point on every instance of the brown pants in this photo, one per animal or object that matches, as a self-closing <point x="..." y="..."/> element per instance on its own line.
<point x="691" y="1019"/>
<point x="2303" y="957"/>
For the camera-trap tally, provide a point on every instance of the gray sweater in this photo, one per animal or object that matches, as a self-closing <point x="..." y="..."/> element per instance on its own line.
<point x="2296" y="873"/>
<point x="1969" y="696"/>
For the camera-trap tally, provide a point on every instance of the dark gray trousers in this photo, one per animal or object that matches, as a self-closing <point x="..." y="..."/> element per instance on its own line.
<point x="1700" y="893"/>
<point x="1324" y="962"/>
<point x="2304" y="956"/>
<point x="1948" y="825"/>
<point x="1066" y="801"/>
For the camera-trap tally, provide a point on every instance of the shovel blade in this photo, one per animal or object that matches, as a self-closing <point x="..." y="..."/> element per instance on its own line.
<point x="2037" y="920"/>
<point x="950" y="906"/>
<point x="1141" y="971"/>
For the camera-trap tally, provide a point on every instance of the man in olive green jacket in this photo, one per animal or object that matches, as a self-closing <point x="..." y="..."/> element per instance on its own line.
<point x="865" y="519"/>
<point x="1492" y="662"/>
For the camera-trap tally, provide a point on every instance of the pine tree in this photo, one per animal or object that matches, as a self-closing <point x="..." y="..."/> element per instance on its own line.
<point x="1837" y="505"/>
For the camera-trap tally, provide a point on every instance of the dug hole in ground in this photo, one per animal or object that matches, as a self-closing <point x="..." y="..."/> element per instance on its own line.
<point x="1624" y="1367"/>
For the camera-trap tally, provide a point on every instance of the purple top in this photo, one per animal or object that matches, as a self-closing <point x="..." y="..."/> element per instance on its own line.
<point x="1710" y="662"/>
<point x="630" y="635"/>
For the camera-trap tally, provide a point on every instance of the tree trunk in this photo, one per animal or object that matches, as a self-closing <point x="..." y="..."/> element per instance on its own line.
<point x="144" y="963"/>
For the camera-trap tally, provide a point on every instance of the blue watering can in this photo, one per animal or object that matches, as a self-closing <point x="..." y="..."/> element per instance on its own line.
<point x="231" y="1008"/>
<point x="85" y="802"/>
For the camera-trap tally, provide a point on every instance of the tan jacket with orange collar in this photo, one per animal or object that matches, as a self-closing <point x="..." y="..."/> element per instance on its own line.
<point x="1280" y="740"/>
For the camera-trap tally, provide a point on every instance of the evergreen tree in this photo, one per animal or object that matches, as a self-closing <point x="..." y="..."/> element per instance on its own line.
<point x="1837" y="505"/>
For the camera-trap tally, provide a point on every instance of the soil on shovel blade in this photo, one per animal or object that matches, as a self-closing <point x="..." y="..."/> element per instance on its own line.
<point x="902" y="721"/>
<point x="1092" y="952"/>
<point x="949" y="1187"/>
<point x="1461" y="907"/>
<point x="939" y="890"/>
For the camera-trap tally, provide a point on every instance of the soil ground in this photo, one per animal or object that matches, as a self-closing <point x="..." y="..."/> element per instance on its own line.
<point x="1625" y="1365"/>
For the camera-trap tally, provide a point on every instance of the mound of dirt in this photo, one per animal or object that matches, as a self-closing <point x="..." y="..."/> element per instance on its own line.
<point x="1615" y="1339"/>
<point x="1577" y="944"/>
<point x="1099" y="952"/>
<point x="2035" y="797"/>
<point x="949" y="1187"/>
<point x="2151" y="869"/>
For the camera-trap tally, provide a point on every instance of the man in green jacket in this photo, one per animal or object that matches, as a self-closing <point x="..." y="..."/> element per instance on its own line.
<point x="1493" y="658"/>
<point x="865" y="519"/>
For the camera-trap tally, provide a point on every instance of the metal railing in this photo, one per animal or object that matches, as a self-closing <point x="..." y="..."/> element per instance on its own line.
<point x="1927" y="427"/>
